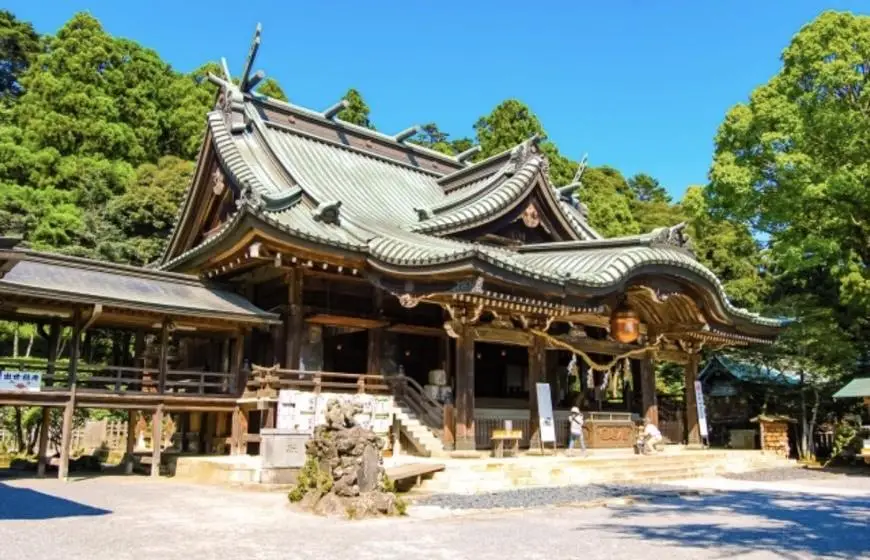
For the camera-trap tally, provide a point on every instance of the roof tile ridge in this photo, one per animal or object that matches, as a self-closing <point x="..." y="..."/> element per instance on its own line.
<point x="380" y="136"/>
<point x="522" y="177"/>
<point x="354" y="149"/>
<point x="520" y="149"/>
<point x="82" y="263"/>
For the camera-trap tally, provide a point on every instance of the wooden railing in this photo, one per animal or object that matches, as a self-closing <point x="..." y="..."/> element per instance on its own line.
<point x="266" y="382"/>
<point x="121" y="380"/>
<point x="428" y="410"/>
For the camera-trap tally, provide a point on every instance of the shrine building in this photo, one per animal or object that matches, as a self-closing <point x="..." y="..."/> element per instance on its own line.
<point x="316" y="254"/>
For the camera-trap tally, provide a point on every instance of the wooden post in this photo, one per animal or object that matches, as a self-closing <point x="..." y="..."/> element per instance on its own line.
<point x="278" y="345"/>
<point x="131" y="441"/>
<point x="164" y="355"/>
<point x="43" y="441"/>
<point x="238" y="355"/>
<point x="156" y="440"/>
<point x="693" y="430"/>
<point x="237" y="437"/>
<point x="464" y="433"/>
<point x="69" y="409"/>
<point x="447" y="437"/>
<point x="294" y="328"/>
<point x="53" y="336"/>
<point x="374" y="351"/>
<point x="536" y="373"/>
<point x="648" y="389"/>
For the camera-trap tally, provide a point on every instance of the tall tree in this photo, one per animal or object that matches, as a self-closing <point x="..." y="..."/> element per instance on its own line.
<point x="512" y="122"/>
<point x="432" y="137"/>
<point x="605" y="193"/>
<point x="271" y="88"/>
<point x="19" y="46"/>
<point x="647" y="188"/>
<point x="357" y="111"/>
<point x="793" y="161"/>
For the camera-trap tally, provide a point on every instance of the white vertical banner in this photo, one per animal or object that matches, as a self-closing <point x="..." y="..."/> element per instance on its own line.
<point x="702" y="413"/>
<point x="545" y="413"/>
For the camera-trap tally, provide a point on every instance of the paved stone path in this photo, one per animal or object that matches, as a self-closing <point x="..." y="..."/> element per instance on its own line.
<point x="120" y="518"/>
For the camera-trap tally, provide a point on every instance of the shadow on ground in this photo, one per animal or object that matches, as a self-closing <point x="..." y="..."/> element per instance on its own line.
<point x="785" y="523"/>
<point x="23" y="503"/>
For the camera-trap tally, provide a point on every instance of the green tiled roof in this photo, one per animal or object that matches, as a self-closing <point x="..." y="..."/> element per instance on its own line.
<point x="859" y="387"/>
<point x="751" y="372"/>
<point x="397" y="211"/>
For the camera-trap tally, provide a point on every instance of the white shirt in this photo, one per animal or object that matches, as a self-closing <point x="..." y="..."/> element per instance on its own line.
<point x="576" y="423"/>
<point x="652" y="431"/>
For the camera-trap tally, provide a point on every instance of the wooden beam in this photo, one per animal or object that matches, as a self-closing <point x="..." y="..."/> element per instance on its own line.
<point x="156" y="440"/>
<point x="417" y="330"/>
<point x="464" y="432"/>
<point x="43" y="441"/>
<point x="503" y="336"/>
<point x="343" y="321"/>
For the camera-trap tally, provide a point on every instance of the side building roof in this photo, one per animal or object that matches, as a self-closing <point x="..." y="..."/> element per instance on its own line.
<point x="64" y="281"/>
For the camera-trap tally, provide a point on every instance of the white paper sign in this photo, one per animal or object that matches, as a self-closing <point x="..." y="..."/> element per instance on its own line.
<point x="702" y="413"/>
<point x="545" y="413"/>
<point x="20" y="380"/>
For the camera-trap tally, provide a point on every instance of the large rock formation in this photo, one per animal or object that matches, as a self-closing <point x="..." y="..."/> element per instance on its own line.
<point x="343" y="474"/>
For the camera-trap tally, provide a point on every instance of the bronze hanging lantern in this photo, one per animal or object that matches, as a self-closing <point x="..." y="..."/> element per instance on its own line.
<point x="624" y="323"/>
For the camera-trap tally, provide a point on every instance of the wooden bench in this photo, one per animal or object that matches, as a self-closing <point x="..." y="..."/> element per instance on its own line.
<point x="412" y="474"/>
<point x="499" y="437"/>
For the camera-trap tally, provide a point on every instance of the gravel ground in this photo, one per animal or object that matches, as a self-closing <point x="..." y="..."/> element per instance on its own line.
<point x="777" y="475"/>
<point x="546" y="496"/>
<point x="121" y="518"/>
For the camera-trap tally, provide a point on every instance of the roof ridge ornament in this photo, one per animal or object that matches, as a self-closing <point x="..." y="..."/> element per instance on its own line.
<point x="328" y="212"/>
<point x="467" y="154"/>
<point x="232" y="98"/>
<point x="674" y="236"/>
<point x="521" y="153"/>
<point x="407" y="133"/>
<point x="333" y="110"/>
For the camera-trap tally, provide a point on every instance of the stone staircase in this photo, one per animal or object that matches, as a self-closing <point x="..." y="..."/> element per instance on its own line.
<point x="426" y="442"/>
<point x="485" y="475"/>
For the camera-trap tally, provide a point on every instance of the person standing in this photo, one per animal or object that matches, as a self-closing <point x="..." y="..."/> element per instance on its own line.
<point x="575" y="422"/>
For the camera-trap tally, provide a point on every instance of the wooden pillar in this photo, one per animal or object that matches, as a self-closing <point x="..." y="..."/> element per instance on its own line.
<point x="43" y="441"/>
<point x="376" y="337"/>
<point x="537" y="359"/>
<point x="156" y="440"/>
<point x="277" y="345"/>
<point x="131" y="441"/>
<point x="237" y="437"/>
<point x="464" y="433"/>
<point x="164" y="356"/>
<point x="294" y="325"/>
<point x="648" y="390"/>
<point x="69" y="409"/>
<point x="693" y="430"/>
<point x="239" y="377"/>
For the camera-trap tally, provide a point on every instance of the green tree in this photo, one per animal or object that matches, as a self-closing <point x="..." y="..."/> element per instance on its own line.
<point x="271" y="88"/>
<point x="512" y="122"/>
<point x="19" y="46"/>
<point x="792" y="162"/>
<point x="433" y="138"/>
<point x="647" y="188"/>
<point x="728" y="249"/>
<point x="145" y="215"/>
<point x="357" y="111"/>
<point x="605" y="193"/>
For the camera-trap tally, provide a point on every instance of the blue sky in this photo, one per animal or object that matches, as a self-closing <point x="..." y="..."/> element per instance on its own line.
<point x="639" y="85"/>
